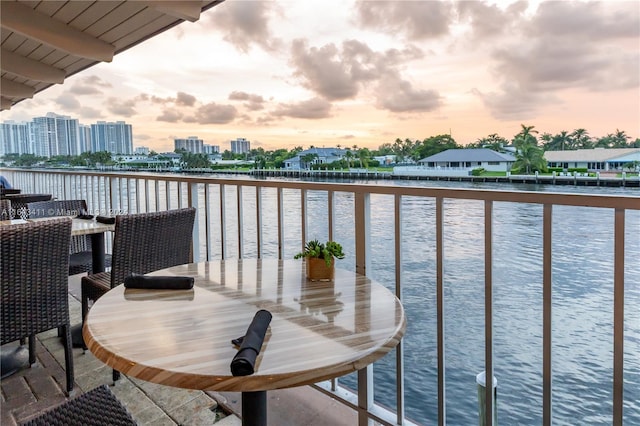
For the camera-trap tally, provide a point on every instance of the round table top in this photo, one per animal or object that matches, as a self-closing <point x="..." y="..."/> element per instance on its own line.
<point x="182" y="338"/>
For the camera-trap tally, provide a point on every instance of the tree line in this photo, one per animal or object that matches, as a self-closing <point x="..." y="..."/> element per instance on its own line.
<point x="529" y="145"/>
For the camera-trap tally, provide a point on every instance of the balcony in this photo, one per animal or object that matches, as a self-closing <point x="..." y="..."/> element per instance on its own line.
<point x="543" y="305"/>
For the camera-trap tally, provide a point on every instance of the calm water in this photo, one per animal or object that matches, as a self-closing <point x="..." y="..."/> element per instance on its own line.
<point x="582" y="298"/>
<point x="582" y="307"/>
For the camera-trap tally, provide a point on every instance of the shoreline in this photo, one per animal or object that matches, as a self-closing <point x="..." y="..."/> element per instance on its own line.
<point x="608" y="181"/>
<point x="604" y="180"/>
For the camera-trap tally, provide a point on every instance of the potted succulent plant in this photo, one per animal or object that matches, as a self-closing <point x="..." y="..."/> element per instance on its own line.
<point x="320" y="259"/>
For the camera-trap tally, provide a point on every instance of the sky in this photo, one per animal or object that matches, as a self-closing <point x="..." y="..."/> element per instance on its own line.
<point x="325" y="73"/>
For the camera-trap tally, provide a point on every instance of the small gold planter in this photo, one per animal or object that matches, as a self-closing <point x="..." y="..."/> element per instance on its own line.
<point x="317" y="269"/>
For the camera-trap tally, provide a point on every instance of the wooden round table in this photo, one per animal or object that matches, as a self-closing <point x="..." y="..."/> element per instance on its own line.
<point x="182" y="338"/>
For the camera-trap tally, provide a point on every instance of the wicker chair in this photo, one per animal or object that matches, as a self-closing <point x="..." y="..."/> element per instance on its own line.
<point x="35" y="294"/>
<point x="19" y="202"/>
<point x="5" y="210"/>
<point x="98" y="407"/>
<point x="80" y="258"/>
<point x="142" y="243"/>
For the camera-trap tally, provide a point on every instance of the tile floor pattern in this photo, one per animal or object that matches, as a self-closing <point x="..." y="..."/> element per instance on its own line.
<point x="34" y="390"/>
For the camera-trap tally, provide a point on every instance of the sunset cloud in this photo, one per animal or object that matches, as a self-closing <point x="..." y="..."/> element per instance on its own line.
<point x="310" y="109"/>
<point x="559" y="55"/>
<point x="213" y="113"/>
<point x="246" y="23"/>
<point x="417" y="20"/>
<point x="297" y="73"/>
<point x="90" y="85"/>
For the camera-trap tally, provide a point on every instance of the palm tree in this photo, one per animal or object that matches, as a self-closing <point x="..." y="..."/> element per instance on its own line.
<point x="363" y="155"/>
<point x="526" y="135"/>
<point x="529" y="159"/>
<point x="348" y="155"/>
<point x="563" y="139"/>
<point x="581" y="139"/>
<point x="620" y="139"/>
<point x="307" y="159"/>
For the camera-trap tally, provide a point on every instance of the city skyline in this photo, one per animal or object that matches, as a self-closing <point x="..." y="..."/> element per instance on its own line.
<point x="365" y="73"/>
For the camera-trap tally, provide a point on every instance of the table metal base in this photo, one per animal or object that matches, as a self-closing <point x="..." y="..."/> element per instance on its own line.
<point x="254" y="408"/>
<point x="76" y="336"/>
<point x="13" y="359"/>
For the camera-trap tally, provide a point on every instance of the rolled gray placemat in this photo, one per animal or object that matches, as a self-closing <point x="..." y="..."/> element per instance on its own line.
<point x="244" y="361"/>
<point x="158" y="282"/>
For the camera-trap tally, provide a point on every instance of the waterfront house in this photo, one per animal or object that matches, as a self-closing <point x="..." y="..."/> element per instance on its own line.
<point x="320" y="156"/>
<point x="458" y="162"/>
<point x="595" y="160"/>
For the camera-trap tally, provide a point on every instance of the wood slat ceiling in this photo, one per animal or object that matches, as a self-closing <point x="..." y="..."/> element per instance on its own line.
<point x="43" y="42"/>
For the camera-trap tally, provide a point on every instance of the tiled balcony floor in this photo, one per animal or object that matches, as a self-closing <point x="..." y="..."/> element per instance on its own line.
<point x="35" y="390"/>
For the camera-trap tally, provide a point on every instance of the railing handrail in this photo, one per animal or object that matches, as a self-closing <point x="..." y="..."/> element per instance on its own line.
<point x="556" y="198"/>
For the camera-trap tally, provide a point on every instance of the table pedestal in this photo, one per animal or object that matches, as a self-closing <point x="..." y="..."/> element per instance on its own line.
<point x="254" y="408"/>
<point x="97" y="265"/>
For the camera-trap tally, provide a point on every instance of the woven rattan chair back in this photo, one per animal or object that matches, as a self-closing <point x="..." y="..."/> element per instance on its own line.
<point x="53" y="208"/>
<point x="143" y="243"/>
<point x="34" y="283"/>
<point x="5" y="210"/>
<point x="19" y="202"/>
<point x="80" y="248"/>
<point x="98" y="407"/>
<point x="146" y="242"/>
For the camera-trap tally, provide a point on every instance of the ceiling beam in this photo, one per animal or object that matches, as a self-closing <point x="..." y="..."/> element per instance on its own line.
<point x="35" y="25"/>
<point x="187" y="9"/>
<point x="30" y="69"/>
<point x="5" y="103"/>
<point x="12" y="89"/>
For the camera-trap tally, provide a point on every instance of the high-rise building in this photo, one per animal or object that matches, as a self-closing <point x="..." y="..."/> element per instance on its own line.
<point x="85" y="137"/>
<point x="115" y="138"/>
<point x="240" y="146"/>
<point x="191" y="144"/>
<point x="53" y="135"/>
<point x="14" y="138"/>
<point x="211" y="149"/>
<point x="141" y="150"/>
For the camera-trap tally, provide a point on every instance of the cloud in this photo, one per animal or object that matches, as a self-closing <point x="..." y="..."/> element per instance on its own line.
<point x="315" y="108"/>
<point x="488" y="20"/>
<point x="68" y="102"/>
<point x="339" y="74"/>
<point x="513" y="103"/>
<point x="213" y="113"/>
<point x="170" y="116"/>
<point x="586" y="20"/>
<point x="121" y="107"/>
<point x="323" y="70"/>
<point x="185" y="99"/>
<point x="254" y="102"/>
<point x="90" y="113"/>
<point x="89" y="85"/>
<point x="246" y="23"/>
<point x="417" y="20"/>
<point x="397" y="95"/>
<point x="565" y="45"/>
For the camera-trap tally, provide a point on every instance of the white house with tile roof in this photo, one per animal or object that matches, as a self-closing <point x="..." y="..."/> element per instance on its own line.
<point x="598" y="159"/>
<point x="459" y="162"/>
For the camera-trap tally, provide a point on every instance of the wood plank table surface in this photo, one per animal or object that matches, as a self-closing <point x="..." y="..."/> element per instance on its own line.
<point x="182" y="338"/>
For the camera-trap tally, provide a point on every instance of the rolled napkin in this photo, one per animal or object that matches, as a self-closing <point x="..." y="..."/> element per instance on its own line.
<point x="84" y="216"/>
<point x="244" y="361"/>
<point x="109" y="220"/>
<point x="158" y="283"/>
